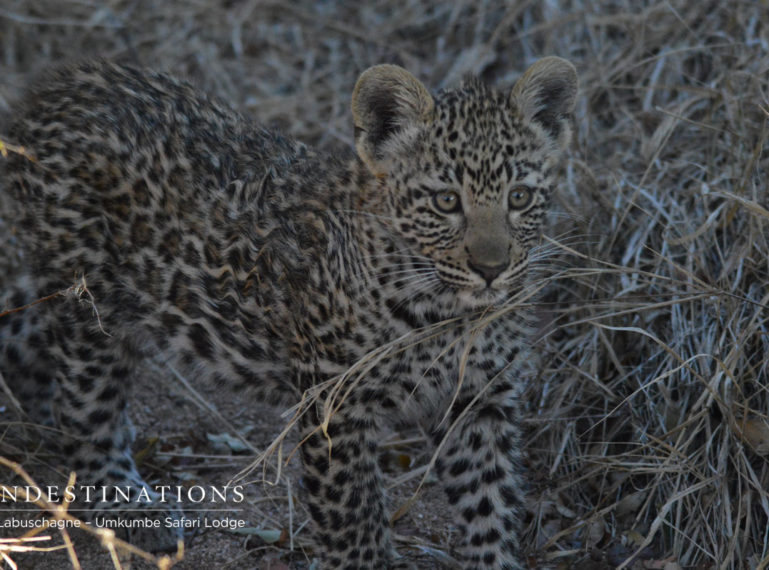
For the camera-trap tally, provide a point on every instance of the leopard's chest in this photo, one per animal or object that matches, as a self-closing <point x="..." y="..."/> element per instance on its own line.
<point x="418" y="372"/>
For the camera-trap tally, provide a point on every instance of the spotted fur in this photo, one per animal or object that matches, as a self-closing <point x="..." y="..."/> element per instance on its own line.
<point x="252" y="261"/>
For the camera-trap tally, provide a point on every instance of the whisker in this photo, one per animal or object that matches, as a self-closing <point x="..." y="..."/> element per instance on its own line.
<point x="420" y="271"/>
<point x="417" y="271"/>
<point x="415" y="283"/>
<point x="423" y="286"/>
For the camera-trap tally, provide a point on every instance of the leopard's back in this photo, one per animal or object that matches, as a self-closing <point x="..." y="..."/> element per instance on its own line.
<point x="168" y="206"/>
<point x="125" y="161"/>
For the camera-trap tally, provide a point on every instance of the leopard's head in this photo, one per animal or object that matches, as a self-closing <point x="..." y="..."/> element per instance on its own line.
<point x="466" y="176"/>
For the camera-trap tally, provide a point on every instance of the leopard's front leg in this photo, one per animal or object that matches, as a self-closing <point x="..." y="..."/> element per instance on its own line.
<point x="480" y="466"/>
<point x="344" y="490"/>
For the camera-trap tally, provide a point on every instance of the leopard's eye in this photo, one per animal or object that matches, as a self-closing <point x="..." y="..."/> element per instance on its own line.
<point x="520" y="197"/>
<point x="447" y="201"/>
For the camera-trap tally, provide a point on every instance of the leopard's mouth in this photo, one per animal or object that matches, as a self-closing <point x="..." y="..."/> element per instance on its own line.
<point x="480" y="298"/>
<point x="475" y="294"/>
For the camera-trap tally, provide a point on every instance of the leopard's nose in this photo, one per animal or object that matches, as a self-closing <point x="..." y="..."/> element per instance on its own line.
<point x="488" y="272"/>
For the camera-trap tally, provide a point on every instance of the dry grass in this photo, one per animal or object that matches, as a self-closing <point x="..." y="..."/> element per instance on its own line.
<point x="32" y="541"/>
<point x="650" y="418"/>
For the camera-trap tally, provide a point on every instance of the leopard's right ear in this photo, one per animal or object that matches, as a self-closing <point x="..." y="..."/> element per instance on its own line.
<point x="546" y="94"/>
<point x="388" y="103"/>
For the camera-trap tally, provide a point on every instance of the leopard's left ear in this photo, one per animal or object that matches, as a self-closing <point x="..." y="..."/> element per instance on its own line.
<point x="387" y="102"/>
<point x="546" y="94"/>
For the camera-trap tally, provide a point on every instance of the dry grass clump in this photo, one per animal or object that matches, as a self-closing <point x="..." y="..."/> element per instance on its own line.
<point x="650" y="418"/>
<point x="653" y="422"/>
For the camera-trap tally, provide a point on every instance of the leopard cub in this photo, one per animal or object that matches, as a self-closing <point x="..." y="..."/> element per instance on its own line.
<point x="392" y="285"/>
